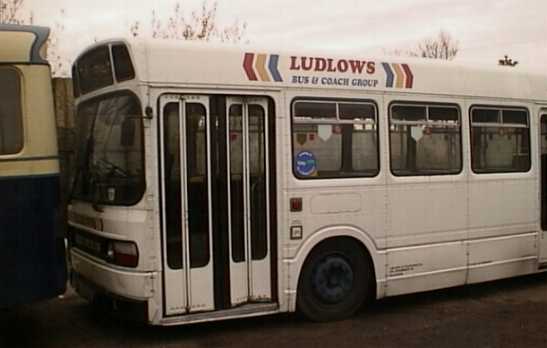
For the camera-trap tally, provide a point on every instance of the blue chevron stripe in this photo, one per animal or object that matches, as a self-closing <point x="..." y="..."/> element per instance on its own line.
<point x="272" y="66"/>
<point x="390" y="75"/>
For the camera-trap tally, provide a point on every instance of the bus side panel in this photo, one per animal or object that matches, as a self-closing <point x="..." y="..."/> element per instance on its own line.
<point x="426" y="268"/>
<point x="504" y="207"/>
<point x="32" y="255"/>
<point x="503" y="228"/>
<point x="502" y="257"/>
<point x="426" y="239"/>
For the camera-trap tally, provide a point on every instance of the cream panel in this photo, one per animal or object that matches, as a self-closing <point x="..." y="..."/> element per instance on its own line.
<point x="24" y="168"/>
<point x="16" y="46"/>
<point x="40" y="128"/>
<point x="39" y="153"/>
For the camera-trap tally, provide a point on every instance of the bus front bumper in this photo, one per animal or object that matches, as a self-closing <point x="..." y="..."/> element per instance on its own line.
<point x="124" y="294"/>
<point x="132" y="285"/>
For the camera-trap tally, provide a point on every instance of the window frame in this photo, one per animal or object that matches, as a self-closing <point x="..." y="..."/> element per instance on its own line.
<point x="86" y="88"/>
<point x="75" y="72"/>
<point x="98" y="99"/>
<point x="500" y="124"/>
<point x="335" y="120"/>
<point x="425" y="104"/>
<point x="22" y="133"/>
<point x="115" y="62"/>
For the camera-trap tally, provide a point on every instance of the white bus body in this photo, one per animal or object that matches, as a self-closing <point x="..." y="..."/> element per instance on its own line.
<point x="245" y="182"/>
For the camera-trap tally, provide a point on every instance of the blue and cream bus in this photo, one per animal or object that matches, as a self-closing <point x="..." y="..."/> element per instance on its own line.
<point x="32" y="249"/>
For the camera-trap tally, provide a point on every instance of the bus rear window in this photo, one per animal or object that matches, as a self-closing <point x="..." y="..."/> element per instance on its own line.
<point x="11" y="122"/>
<point x="95" y="70"/>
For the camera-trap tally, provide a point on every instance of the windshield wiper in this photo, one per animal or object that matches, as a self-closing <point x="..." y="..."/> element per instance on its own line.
<point x="112" y="168"/>
<point x="94" y="181"/>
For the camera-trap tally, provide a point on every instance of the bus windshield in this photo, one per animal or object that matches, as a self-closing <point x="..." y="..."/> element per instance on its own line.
<point x="110" y="156"/>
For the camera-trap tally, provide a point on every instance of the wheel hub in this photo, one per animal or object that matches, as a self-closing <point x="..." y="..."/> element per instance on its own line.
<point x="332" y="279"/>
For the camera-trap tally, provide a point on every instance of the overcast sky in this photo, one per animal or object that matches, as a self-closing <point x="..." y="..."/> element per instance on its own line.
<point x="485" y="29"/>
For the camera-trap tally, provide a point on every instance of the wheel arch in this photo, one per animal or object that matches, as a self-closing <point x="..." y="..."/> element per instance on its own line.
<point x="295" y="264"/>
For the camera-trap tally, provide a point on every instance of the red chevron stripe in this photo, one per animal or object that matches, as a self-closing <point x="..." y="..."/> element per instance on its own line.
<point x="248" y="66"/>
<point x="409" y="76"/>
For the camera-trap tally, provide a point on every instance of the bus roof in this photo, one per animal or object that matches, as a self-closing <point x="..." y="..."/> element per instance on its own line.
<point x="22" y="44"/>
<point x="171" y="62"/>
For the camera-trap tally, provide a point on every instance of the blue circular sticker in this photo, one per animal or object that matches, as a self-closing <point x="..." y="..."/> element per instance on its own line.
<point x="305" y="163"/>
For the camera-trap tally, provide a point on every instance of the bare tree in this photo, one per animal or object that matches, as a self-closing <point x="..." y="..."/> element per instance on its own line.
<point x="199" y="25"/>
<point x="443" y="46"/>
<point x="11" y="12"/>
<point x="506" y="61"/>
<point x="135" y="28"/>
<point x="59" y="63"/>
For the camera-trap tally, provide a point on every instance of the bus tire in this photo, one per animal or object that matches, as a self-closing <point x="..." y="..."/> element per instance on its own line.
<point x="335" y="281"/>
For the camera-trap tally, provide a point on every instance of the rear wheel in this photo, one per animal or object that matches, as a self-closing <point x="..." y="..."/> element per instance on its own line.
<point x="334" y="281"/>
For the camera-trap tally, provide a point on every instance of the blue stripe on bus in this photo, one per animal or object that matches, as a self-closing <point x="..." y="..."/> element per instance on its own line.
<point x="274" y="58"/>
<point x="390" y="75"/>
<point x="32" y="255"/>
<point x="29" y="176"/>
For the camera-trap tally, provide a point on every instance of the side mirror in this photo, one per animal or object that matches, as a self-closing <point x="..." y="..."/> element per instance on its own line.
<point x="128" y="132"/>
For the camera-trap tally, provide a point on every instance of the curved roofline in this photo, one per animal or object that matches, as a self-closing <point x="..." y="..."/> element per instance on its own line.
<point x="211" y="45"/>
<point x="101" y="43"/>
<point x="176" y="61"/>
<point x="227" y="47"/>
<point x="41" y="35"/>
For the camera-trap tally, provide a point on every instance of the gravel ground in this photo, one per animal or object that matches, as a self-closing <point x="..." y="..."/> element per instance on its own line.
<point x="508" y="313"/>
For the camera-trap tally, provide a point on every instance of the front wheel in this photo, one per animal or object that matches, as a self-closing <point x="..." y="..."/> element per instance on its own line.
<point x="334" y="281"/>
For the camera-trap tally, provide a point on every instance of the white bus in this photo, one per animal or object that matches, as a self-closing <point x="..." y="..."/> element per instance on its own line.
<point x="216" y="183"/>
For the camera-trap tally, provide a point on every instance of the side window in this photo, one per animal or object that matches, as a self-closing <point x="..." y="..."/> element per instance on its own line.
<point x="11" y="118"/>
<point x="500" y="140"/>
<point x="94" y="70"/>
<point x="334" y="139"/>
<point x="173" y="189"/>
<point x="122" y="63"/>
<point x="425" y="139"/>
